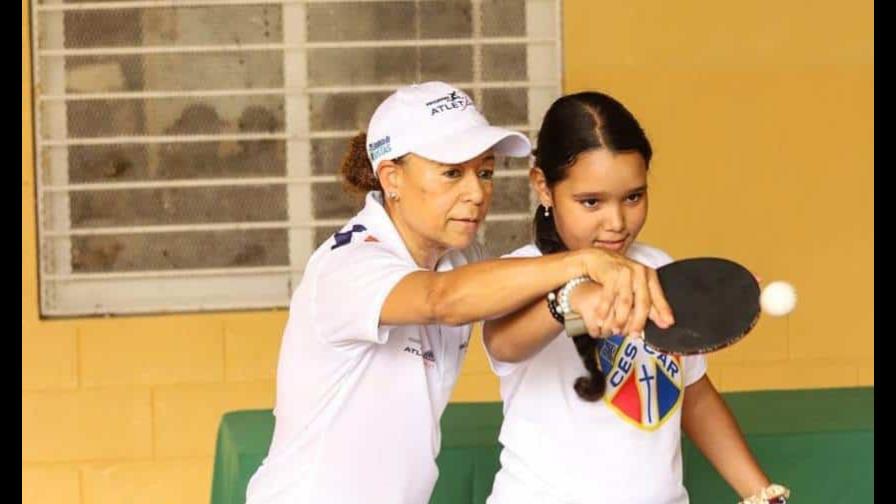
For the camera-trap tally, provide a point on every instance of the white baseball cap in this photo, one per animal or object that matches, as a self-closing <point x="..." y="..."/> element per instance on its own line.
<point x="439" y="122"/>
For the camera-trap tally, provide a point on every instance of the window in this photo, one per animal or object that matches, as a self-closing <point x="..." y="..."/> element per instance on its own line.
<point x="187" y="155"/>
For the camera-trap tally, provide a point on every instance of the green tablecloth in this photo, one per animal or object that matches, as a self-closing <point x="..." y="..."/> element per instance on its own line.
<point x="819" y="442"/>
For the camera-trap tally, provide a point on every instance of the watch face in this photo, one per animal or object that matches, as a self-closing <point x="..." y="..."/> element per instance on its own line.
<point x="574" y="325"/>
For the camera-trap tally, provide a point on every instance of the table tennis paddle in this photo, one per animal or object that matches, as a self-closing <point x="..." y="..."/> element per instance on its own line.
<point x="715" y="302"/>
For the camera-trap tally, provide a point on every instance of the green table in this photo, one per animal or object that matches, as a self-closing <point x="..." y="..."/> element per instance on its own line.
<point x="819" y="442"/>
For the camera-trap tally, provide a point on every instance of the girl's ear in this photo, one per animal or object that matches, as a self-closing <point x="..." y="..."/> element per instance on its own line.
<point x="540" y="185"/>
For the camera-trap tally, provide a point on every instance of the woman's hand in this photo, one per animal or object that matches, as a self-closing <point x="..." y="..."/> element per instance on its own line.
<point x="627" y="295"/>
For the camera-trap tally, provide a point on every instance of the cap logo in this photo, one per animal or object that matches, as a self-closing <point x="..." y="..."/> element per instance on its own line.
<point x="379" y="147"/>
<point x="451" y="101"/>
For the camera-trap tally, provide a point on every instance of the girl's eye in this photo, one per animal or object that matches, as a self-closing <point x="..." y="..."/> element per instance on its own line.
<point x="634" y="198"/>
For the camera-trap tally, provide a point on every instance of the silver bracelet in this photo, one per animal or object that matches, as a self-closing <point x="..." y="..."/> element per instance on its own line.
<point x="563" y="296"/>
<point x="573" y="324"/>
<point x="772" y="494"/>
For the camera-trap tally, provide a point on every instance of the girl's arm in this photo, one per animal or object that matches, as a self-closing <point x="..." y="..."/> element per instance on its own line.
<point x="709" y="423"/>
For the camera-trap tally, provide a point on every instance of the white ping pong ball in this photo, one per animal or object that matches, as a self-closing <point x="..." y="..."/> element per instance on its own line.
<point x="778" y="298"/>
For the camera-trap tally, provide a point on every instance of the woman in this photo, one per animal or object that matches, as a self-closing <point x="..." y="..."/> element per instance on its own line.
<point x="379" y="325"/>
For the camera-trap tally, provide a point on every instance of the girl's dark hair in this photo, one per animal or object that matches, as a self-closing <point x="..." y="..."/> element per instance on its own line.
<point x="357" y="173"/>
<point x="575" y="124"/>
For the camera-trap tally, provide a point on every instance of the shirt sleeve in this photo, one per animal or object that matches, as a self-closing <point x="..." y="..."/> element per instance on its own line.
<point x="694" y="368"/>
<point x="501" y="368"/>
<point x="351" y="287"/>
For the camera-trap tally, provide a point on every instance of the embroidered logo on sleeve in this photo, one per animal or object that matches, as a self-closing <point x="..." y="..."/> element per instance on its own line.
<point x="345" y="237"/>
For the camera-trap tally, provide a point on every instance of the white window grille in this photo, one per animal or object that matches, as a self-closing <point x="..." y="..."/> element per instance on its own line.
<point x="188" y="150"/>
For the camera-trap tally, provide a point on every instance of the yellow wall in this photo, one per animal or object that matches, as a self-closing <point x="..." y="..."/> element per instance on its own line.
<point x="762" y="122"/>
<point x="761" y="115"/>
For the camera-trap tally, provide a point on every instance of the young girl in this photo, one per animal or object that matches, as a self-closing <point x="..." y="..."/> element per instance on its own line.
<point x="608" y="431"/>
<point x="379" y="326"/>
